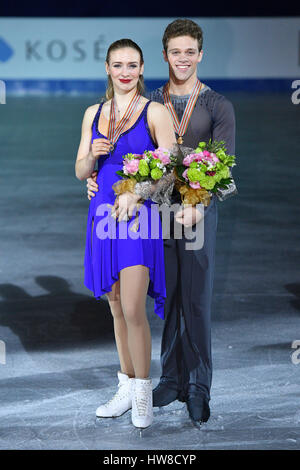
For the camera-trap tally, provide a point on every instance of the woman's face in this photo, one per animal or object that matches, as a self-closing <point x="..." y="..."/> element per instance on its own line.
<point x="124" y="68"/>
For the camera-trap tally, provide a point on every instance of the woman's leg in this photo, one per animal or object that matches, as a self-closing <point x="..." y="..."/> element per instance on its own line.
<point x="122" y="400"/>
<point x="120" y="329"/>
<point x="134" y="282"/>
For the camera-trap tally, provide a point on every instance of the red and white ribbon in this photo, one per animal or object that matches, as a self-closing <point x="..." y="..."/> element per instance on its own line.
<point x="114" y="131"/>
<point x="181" y="127"/>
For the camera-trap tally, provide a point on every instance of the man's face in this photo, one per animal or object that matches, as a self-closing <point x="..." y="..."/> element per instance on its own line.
<point x="183" y="56"/>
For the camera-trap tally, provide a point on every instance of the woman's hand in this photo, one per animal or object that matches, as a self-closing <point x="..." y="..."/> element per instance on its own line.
<point x="100" y="147"/>
<point x="124" y="206"/>
<point x="92" y="185"/>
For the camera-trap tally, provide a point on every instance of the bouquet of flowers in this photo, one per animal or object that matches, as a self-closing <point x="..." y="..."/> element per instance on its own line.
<point x="203" y="172"/>
<point x="152" y="164"/>
<point x="148" y="168"/>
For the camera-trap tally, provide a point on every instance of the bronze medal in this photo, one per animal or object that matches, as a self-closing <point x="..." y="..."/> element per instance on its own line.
<point x="181" y="127"/>
<point x="114" y="131"/>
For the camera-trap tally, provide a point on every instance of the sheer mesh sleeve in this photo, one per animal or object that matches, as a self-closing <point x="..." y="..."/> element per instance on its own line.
<point x="224" y="123"/>
<point x="224" y="129"/>
<point x="156" y="95"/>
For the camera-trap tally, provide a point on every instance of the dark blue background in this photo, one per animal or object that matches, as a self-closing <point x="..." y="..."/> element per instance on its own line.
<point x="154" y="8"/>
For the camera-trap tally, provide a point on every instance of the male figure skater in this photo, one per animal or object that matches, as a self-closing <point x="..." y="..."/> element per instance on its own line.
<point x="186" y="341"/>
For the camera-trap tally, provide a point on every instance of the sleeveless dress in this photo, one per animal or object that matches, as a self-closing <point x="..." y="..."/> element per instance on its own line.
<point x="105" y="256"/>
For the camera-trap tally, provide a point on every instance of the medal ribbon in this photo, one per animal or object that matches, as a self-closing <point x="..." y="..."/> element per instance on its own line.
<point x="180" y="128"/>
<point x="113" y="131"/>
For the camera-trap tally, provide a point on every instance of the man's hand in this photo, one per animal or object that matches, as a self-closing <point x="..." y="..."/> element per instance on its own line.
<point x="92" y="186"/>
<point x="124" y="206"/>
<point x="188" y="216"/>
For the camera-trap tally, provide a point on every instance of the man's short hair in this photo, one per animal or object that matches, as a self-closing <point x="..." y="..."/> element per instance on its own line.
<point x="182" y="27"/>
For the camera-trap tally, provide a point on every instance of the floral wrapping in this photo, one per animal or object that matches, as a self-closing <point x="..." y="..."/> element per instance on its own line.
<point x="160" y="192"/>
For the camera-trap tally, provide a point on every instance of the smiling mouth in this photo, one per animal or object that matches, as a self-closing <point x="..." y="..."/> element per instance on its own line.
<point x="125" y="80"/>
<point x="182" y="67"/>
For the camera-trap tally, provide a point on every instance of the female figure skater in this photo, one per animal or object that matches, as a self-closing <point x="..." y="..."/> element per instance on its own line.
<point x="125" y="269"/>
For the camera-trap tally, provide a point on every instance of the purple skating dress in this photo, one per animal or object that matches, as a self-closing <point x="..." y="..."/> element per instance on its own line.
<point x="106" y="255"/>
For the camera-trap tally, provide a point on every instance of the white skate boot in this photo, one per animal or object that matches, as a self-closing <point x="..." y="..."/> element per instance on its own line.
<point x="142" y="409"/>
<point x="120" y="402"/>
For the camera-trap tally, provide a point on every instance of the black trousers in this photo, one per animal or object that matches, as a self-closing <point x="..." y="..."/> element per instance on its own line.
<point x="186" y="341"/>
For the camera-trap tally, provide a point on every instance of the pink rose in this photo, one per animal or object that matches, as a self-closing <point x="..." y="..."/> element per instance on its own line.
<point x="184" y="174"/>
<point x="188" y="159"/>
<point x="195" y="185"/>
<point x="199" y="154"/>
<point x="163" y="155"/>
<point x="161" y="151"/>
<point x="165" y="159"/>
<point x="198" y="158"/>
<point x="132" y="166"/>
<point x="214" y="158"/>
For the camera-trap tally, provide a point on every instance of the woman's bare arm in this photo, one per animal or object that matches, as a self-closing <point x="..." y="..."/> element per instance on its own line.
<point x="161" y="125"/>
<point x="162" y="132"/>
<point x="88" y="153"/>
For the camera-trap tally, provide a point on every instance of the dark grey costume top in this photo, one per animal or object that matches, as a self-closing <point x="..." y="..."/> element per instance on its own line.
<point x="212" y="118"/>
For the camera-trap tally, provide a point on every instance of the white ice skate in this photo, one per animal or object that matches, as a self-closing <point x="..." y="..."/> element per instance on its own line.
<point x="142" y="408"/>
<point x="120" y="402"/>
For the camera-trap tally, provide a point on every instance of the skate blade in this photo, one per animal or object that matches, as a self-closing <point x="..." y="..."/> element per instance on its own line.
<point x="171" y="408"/>
<point x="112" y="417"/>
<point x="141" y="431"/>
<point x="197" y="424"/>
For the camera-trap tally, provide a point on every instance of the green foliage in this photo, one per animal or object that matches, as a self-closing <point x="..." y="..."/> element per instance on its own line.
<point x="219" y="148"/>
<point x="121" y="173"/>
<point x="156" y="173"/>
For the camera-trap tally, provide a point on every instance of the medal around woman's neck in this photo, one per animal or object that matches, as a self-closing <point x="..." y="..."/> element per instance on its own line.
<point x="114" y="131"/>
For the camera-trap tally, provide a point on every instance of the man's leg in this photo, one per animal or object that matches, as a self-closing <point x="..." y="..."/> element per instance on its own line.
<point x="168" y="387"/>
<point x="197" y="274"/>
